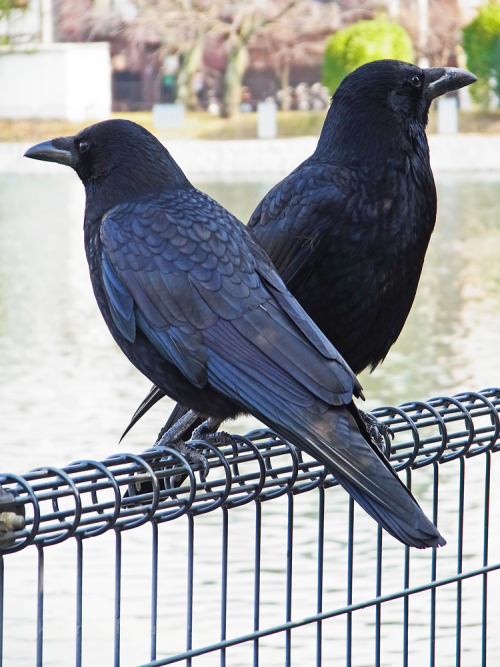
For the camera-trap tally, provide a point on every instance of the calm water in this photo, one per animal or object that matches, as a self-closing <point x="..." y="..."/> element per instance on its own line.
<point x="66" y="392"/>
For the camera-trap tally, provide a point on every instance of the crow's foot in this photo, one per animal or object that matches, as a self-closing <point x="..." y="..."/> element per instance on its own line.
<point x="378" y="431"/>
<point x="194" y="457"/>
<point x="207" y="430"/>
<point x="173" y="439"/>
<point x="178" y="431"/>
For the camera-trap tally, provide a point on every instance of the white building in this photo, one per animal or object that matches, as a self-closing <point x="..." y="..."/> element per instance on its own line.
<point x="62" y="81"/>
<point x="43" y="79"/>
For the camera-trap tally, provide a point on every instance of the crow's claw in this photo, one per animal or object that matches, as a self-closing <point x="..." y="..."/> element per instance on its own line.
<point x="378" y="431"/>
<point x="207" y="430"/>
<point x="194" y="457"/>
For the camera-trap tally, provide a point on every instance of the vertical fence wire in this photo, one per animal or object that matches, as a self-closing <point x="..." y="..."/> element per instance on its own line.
<point x="257" y="573"/>
<point x="289" y="580"/>
<point x="190" y="587"/>
<point x="321" y="563"/>
<point x="224" y="566"/>
<point x="79" y="602"/>
<point x="378" y="593"/>
<point x="433" y="592"/>
<point x="406" y="598"/>
<point x="350" y="579"/>
<point x="39" y="607"/>
<point x="406" y="608"/>
<point x="486" y="524"/>
<point x="154" y="589"/>
<point x="118" y="596"/>
<point x="460" y="553"/>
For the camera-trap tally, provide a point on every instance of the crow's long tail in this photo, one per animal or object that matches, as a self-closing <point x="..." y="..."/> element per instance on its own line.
<point x="336" y="439"/>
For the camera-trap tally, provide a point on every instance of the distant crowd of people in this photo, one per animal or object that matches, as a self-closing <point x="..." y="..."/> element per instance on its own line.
<point x="304" y="97"/>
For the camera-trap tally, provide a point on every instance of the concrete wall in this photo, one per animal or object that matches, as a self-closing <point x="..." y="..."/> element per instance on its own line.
<point x="62" y="81"/>
<point x="272" y="159"/>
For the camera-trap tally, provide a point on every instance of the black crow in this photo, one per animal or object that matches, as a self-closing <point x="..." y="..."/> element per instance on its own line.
<point x="348" y="229"/>
<point x="196" y="305"/>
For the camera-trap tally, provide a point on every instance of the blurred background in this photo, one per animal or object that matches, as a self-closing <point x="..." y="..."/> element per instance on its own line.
<point x="212" y="60"/>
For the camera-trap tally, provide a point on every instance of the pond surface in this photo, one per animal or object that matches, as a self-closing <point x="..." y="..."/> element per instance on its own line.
<point x="67" y="392"/>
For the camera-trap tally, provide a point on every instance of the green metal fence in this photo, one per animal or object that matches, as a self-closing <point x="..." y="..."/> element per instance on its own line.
<point x="265" y="562"/>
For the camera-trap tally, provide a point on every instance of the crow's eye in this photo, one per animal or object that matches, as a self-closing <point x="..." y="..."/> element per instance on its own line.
<point x="416" y="81"/>
<point x="83" y="146"/>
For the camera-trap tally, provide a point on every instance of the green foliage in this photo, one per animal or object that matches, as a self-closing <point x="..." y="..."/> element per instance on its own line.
<point x="360" y="43"/>
<point x="481" y="42"/>
<point x="6" y="6"/>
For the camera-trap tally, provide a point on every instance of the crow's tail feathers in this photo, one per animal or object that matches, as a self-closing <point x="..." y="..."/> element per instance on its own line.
<point x="151" y="399"/>
<point x="339" y="440"/>
<point x="407" y="524"/>
<point x="335" y="440"/>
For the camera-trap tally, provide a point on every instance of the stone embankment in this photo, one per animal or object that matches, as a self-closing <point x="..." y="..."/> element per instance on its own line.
<point x="265" y="159"/>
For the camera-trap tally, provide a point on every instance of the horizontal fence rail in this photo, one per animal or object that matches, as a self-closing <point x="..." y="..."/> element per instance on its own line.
<point x="88" y="498"/>
<point x="49" y="506"/>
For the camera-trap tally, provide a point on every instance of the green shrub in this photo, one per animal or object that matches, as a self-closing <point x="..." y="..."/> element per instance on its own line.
<point x="481" y="42"/>
<point x="360" y="43"/>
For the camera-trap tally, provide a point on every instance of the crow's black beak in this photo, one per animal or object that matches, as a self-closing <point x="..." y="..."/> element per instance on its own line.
<point x="441" y="80"/>
<point x="57" y="150"/>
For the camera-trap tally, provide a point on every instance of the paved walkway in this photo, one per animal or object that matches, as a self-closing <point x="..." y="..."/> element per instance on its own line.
<point x="255" y="159"/>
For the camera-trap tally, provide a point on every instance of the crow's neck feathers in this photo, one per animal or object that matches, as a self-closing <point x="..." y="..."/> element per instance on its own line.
<point x="371" y="133"/>
<point x="119" y="170"/>
<point x="378" y="114"/>
<point x="126" y="181"/>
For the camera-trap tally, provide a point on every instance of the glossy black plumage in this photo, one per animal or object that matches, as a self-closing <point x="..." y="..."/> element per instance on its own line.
<point x="196" y="305"/>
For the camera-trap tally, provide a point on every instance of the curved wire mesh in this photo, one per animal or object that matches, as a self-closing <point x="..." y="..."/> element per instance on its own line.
<point x="87" y="498"/>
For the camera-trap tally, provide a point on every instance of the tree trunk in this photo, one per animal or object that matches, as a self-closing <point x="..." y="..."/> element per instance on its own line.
<point x="237" y="61"/>
<point x="285" y="83"/>
<point x="190" y="63"/>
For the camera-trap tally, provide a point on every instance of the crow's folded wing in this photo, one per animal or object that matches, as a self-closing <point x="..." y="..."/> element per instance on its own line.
<point x="309" y="206"/>
<point x="188" y="275"/>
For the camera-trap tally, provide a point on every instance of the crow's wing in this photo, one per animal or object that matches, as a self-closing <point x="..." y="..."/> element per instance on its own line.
<point x="187" y="274"/>
<point x="310" y="206"/>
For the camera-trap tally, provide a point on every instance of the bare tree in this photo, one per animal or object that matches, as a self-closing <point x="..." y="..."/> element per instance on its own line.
<point x="445" y="22"/>
<point x="239" y="23"/>
<point x="280" y="33"/>
<point x="298" y="38"/>
<point x="438" y="44"/>
<point x="181" y="28"/>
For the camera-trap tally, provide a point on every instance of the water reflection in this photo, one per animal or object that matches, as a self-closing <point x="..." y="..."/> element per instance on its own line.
<point x="66" y="392"/>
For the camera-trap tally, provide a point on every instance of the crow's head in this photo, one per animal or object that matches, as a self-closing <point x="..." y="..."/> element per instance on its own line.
<point x="114" y="152"/>
<point x="400" y="87"/>
<point x="384" y="102"/>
